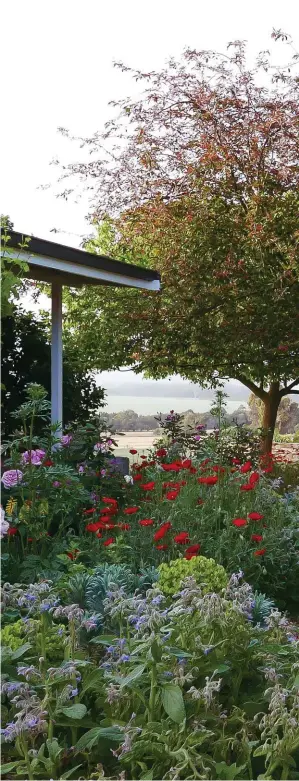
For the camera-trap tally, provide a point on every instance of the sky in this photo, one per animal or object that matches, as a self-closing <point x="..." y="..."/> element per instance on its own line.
<point x="58" y="60"/>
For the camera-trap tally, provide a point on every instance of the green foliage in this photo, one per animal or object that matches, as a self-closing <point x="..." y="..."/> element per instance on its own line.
<point x="209" y="575"/>
<point x="12" y="268"/>
<point x="26" y="358"/>
<point x="105" y="577"/>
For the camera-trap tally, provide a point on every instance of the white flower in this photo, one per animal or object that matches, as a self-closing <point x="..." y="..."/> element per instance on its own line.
<point x="4" y="525"/>
<point x="129" y="479"/>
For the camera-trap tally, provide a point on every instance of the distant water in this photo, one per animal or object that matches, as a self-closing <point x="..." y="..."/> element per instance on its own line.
<point x="149" y="405"/>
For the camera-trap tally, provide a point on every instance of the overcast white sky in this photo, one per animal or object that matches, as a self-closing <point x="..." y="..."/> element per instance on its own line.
<point x="57" y="66"/>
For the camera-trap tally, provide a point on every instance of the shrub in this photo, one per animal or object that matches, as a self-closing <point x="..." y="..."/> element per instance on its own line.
<point x="209" y="575"/>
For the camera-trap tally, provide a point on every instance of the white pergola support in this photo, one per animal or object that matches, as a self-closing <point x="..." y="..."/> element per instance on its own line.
<point x="56" y="356"/>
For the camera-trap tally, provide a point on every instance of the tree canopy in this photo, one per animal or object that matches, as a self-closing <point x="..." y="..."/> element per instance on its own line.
<point x="199" y="178"/>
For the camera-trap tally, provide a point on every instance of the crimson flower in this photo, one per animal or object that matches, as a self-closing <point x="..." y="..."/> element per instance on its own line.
<point x="148" y="486"/>
<point x="131" y="510"/>
<point x="171" y="495"/>
<point x="72" y="554"/>
<point x="255" y="516"/>
<point x="254" y="478"/>
<point x="109" y="510"/>
<point x="193" y="550"/>
<point x="161" y="547"/>
<point x="160" y="533"/>
<point x="12" y="531"/>
<point x="235" y="460"/>
<point x="48" y="462"/>
<point x="247" y="487"/>
<point x="89" y="512"/>
<point x="239" y="522"/>
<point x="91" y="527"/>
<point x="109" y="541"/>
<point x="146" y="522"/>
<point x="210" y="480"/>
<point x="161" y="453"/>
<point x="171" y="467"/>
<point x="256" y="537"/>
<point x="182" y="538"/>
<point x="192" y="470"/>
<point x="206" y="461"/>
<point x="260" y="552"/>
<point x="246" y="467"/>
<point x="218" y="468"/>
<point x="187" y="463"/>
<point x="133" y="452"/>
<point x="109" y="500"/>
<point x="137" y="477"/>
<point x="140" y="456"/>
<point x="125" y="527"/>
<point x="200" y="501"/>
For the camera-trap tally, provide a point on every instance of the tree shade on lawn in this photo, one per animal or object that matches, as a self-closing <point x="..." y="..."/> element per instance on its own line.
<point x="204" y="184"/>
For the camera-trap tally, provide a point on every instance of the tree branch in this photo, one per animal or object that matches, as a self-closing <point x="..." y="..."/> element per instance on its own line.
<point x="261" y="394"/>
<point x="287" y="390"/>
<point x="296" y="391"/>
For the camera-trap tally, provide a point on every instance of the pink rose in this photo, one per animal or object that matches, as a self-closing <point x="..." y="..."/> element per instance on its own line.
<point x="35" y="457"/>
<point x="11" y="478"/>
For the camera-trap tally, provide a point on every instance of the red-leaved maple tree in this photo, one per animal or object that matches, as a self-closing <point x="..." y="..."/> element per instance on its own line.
<point x="199" y="178"/>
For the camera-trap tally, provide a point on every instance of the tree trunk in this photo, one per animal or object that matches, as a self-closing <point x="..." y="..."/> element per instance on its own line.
<point x="271" y="404"/>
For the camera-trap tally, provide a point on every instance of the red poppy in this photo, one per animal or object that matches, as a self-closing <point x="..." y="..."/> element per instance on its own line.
<point x="247" y="487"/>
<point x="48" y="462"/>
<point x="256" y="537"/>
<point x="239" y="522"/>
<point x="98" y="534"/>
<point x="255" y="516"/>
<point x="268" y="470"/>
<point x="12" y="531"/>
<point x="254" y="478"/>
<point x="29" y="539"/>
<point x="260" y="552"/>
<point x="89" y="512"/>
<point x="171" y="495"/>
<point x="172" y="485"/>
<point x="246" y="467"/>
<point x="187" y="463"/>
<point x="141" y="456"/>
<point x="104" y="525"/>
<point x="110" y="541"/>
<point x="182" y="538"/>
<point x="206" y="461"/>
<point x="218" y="468"/>
<point x="125" y="527"/>
<point x="133" y="452"/>
<point x="235" y="460"/>
<point x="210" y="480"/>
<point x="192" y="550"/>
<point x="146" y="522"/>
<point x="109" y="510"/>
<point x="72" y="554"/>
<point x="160" y="533"/>
<point x="171" y="467"/>
<point x="137" y="477"/>
<point x="93" y="527"/>
<point x="108" y="500"/>
<point x="148" y="486"/>
<point x="131" y="510"/>
<point x="105" y="518"/>
<point x="161" y="547"/>
<point x="161" y="453"/>
<point x="192" y="470"/>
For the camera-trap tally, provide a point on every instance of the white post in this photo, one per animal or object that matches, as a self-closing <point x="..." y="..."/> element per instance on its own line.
<point x="56" y="356"/>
